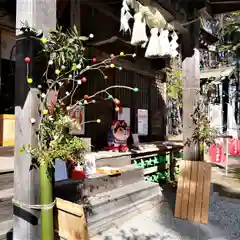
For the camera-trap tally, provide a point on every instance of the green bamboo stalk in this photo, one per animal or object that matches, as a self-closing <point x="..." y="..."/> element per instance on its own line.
<point x="46" y="197"/>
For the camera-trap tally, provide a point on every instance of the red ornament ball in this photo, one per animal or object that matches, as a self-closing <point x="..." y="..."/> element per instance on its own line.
<point x="116" y="101"/>
<point x="27" y="60"/>
<point x="94" y="60"/>
<point x="86" y="97"/>
<point x="84" y="79"/>
<point x="112" y="56"/>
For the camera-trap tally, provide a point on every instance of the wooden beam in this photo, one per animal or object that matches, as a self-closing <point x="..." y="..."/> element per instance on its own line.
<point x="40" y="14"/>
<point x="101" y="7"/>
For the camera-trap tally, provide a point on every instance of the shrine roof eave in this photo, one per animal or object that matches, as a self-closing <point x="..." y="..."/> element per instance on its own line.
<point x="223" y="6"/>
<point x="208" y="37"/>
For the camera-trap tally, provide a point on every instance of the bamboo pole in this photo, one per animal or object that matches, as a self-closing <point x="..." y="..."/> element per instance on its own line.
<point x="46" y="197"/>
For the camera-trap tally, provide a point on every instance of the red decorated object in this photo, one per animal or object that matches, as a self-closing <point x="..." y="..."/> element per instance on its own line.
<point x="78" y="175"/>
<point x="84" y="79"/>
<point x="216" y="153"/>
<point x="94" y="60"/>
<point x="27" y="60"/>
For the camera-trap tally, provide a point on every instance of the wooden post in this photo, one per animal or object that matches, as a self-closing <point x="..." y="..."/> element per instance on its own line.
<point x="40" y="14"/>
<point x="0" y="62"/>
<point x="75" y="14"/>
<point x="191" y="86"/>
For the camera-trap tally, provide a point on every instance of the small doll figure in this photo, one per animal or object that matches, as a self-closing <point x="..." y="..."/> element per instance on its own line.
<point x="117" y="136"/>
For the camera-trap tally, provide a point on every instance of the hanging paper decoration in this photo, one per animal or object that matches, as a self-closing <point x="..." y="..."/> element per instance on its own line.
<point x="139" y="35"/>
<point x="174" y="45"/>
<point x="153" y="48"/>
<point x="125" y="16"/>
<point x="164" y="44"/>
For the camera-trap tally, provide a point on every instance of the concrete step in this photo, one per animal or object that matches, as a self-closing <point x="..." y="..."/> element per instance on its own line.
<point x="112" y="159"/>
<point x="6" y="230"/>
<point x="6" y="180"/>
<point x="97" y="183"/>
<point x="116" y="205"/>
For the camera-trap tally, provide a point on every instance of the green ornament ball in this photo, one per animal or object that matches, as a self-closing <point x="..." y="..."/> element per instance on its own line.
<point x="110" y="97"/>
<point x="135" y="89"/>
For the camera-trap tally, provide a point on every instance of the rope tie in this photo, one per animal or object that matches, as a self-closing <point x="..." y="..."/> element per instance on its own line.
<point x="36" y="206"/>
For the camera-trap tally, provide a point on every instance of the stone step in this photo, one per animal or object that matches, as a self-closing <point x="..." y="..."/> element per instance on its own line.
<point x="113" y="206"/>
<point x="97" y="183"/>
<point x="6" y="230"/>
<point x="6" y="180"/>
<point x="112" y="159"/>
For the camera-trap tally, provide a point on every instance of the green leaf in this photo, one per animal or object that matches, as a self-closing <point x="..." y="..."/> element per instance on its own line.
<point x="82" y="38"/>
<point x="75" y="29"/>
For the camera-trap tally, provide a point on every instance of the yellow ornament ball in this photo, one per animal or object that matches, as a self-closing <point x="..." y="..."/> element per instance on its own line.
<point x="44" y="40"/>
<point x="121" y="53"/>
<point x="45" y="112"/>
<point x="117" y="109"/>
<point x="98" y="120"/>
<point x="112" y="65"/>
<point x="57" y="71"/>
<point x="29" y="80"/>
<point x="74" y="68"/>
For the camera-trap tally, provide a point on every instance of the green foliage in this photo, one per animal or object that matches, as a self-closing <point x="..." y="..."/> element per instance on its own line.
<point x="203" y="133"/>
<point x="53" y="132"/>
<point x="174" y="81"/>
<point x="231" y="28"/>
<point x="65" y="49"/>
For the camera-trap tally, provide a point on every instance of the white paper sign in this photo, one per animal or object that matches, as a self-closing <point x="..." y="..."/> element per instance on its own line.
<point x="215" y="116"/>
<point x="125" y="115"/>
<point x="142" y="122"/>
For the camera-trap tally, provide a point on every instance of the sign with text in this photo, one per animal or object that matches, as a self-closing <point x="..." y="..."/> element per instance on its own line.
<point x="142" y="122"/>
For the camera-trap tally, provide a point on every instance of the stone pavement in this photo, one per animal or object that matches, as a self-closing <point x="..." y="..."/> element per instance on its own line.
<point x="159" y="224"/>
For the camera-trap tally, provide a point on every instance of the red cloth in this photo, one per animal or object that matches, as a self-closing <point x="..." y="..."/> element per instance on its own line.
<point x="217" y="153"/>
<point x="233" y="146"/>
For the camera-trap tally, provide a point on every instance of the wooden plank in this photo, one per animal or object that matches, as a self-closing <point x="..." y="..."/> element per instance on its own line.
<point x="206" y="193"/>
<point x="199" y="192"/>
<point x="70" y="221"/>
<point x="192" y="191"/>
<point x="186" y="184"/>
<point x="178" y="203"/>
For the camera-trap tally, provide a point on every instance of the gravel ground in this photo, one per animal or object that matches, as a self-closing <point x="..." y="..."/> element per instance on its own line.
<point x="159" y="224"/>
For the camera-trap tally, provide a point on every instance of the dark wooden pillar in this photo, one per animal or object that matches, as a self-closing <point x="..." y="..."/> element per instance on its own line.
<point x="191" y="86"/>
<point x="40" y="14"/>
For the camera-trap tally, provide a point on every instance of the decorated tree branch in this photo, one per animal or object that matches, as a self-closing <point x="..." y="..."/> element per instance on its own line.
<point x="67" y="66"/>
